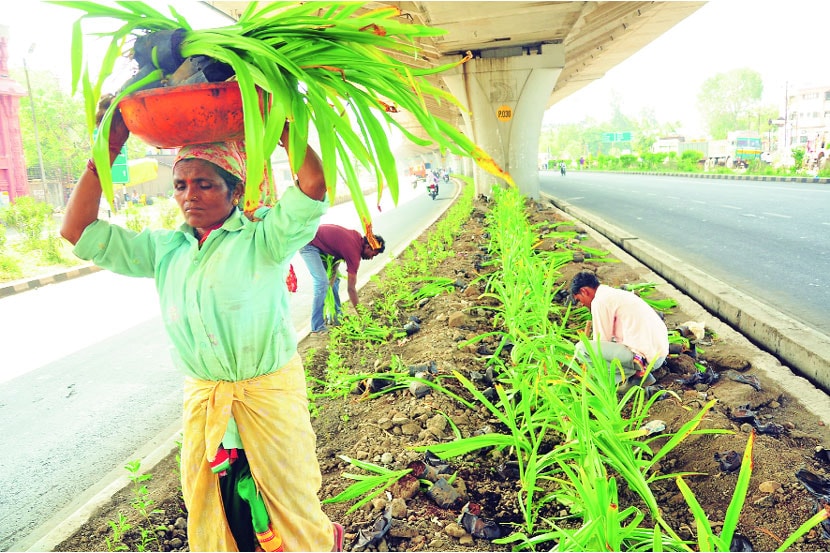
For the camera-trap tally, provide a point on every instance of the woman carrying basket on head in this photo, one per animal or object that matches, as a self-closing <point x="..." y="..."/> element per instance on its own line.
<point x="250" y="474"/>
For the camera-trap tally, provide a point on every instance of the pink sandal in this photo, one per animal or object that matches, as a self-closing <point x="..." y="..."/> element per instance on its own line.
<point x="339" y="535"/>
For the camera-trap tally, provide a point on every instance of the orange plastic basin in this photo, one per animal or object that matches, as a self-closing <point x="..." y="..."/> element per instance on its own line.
<point x="170" y="117"/>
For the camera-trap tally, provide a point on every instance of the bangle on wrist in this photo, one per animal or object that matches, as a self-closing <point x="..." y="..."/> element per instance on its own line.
<point x="90" y="163"/>
<point x="90" y="166"/>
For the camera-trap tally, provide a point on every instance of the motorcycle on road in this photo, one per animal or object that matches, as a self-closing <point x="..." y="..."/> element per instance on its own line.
<point x="432" y="189"/>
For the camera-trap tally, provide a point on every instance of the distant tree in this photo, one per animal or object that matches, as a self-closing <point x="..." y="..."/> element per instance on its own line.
<point x="563" y="141"/>
<point x="620" y="122"/>
<point x="60" y="127"/>
<point x="728" y="101"/>
<point x="645" y="131"/>
<point x="798" y="158"/>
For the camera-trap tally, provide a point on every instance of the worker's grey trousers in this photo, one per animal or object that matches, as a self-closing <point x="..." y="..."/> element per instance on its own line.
<point x="616" y="350"/>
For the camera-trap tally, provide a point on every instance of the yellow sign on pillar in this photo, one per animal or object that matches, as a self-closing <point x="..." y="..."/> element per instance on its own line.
<point x="504" y="113"/>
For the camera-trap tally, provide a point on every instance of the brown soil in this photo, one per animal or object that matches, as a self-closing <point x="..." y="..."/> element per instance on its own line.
<point x="381" y="431"/>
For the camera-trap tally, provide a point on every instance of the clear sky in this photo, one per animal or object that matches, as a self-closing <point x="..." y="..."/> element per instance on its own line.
<point x="785" y="41"/>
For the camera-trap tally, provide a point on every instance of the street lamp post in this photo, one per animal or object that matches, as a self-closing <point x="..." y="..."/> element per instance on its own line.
<point x="34" y="123"/>
<point x="786" y="111"/>
<point x="782" y="152"/>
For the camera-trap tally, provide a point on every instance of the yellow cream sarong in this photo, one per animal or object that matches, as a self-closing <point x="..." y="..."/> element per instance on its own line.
<point x="271" y="412"/>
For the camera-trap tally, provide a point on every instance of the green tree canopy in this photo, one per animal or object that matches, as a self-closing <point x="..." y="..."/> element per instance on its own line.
<point x="60" y="127"/>
<point x="728" y="101"/>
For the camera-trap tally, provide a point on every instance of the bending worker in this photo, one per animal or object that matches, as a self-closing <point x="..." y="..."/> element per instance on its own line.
<point x="250" y="476"/>
<point x="330" y="245"/>
<point x="629" y="330"/>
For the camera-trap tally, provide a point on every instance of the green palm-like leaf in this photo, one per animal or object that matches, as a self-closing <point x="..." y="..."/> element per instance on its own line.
<point x="326" y="64"/>
<point x="366" y="486"/>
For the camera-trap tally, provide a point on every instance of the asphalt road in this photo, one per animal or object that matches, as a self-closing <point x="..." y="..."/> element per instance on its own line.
<point x="766" y="239"/>
<point x="86" y="380"/>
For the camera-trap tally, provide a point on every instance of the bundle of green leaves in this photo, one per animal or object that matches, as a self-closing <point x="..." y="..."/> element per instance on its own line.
<point x="327" y="64"/>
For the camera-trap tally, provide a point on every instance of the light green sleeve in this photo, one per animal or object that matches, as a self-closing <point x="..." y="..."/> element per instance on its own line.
<point x="291" y="223"/>
<point x="120" y="250"/>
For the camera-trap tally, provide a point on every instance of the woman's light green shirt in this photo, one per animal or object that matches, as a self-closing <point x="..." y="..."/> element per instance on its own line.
<point x="225" y="306"/>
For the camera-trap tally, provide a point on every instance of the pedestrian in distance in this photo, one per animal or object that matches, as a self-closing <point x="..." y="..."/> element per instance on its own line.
<point x="626" y="328"/>
<point x="250" y="475"/>
<point x="337" y="244"/>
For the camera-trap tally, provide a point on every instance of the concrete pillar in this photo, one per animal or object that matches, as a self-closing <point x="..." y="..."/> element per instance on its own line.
<point x="506" y="91"/>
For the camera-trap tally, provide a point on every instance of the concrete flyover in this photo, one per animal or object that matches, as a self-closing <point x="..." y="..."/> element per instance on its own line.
<point x="526" y="56"/>
<point x="804" y="349"/>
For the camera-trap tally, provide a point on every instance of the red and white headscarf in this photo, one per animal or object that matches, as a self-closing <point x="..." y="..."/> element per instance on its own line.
<point x="230" y="156"/>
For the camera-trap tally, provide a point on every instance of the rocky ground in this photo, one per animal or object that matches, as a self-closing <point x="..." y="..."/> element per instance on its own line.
<point x="382" y="430"/>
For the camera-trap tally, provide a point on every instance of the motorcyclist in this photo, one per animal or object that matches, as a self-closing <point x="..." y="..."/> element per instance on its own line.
<point x="432" y="187"/>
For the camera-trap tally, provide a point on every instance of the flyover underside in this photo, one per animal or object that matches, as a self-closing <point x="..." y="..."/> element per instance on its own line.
<point x="591" y="37"/>
<point x="505" y="99"/>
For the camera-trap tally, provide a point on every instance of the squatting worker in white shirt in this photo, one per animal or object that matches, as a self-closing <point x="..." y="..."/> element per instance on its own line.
<point x="627" y="327"/>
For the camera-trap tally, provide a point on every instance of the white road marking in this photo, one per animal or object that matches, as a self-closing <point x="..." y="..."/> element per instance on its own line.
<point x="727" y="206"/>
<point x="777" y="215"/>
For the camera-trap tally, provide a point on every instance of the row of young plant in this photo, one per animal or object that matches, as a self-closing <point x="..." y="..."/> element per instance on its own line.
<point x="565" y="425"/>
<point x="599" y="436"/>
<point x="370" y="330"/>
<point x="690" y="162"/>
<point x="574" y="439"/>
<point x="143" y="534"/>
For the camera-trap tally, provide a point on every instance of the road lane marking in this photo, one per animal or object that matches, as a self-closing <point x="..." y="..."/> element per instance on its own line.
<point x="727" y="206"/>
<point x="777" y="215"/>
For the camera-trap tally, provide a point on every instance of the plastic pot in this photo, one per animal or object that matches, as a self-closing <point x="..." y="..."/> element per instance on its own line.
<point x="170" y="117"/>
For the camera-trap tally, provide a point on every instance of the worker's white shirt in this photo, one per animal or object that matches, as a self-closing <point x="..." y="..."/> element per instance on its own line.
<point x="622" y="316"/>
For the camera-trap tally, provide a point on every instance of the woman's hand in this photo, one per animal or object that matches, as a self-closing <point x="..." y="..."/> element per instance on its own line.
<point x="82" y="208"/>
<point x="310" y="178"/>
<point x="119" y="133"/>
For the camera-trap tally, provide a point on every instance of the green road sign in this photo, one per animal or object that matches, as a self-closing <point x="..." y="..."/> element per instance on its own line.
<point x="120" y="171"/>
<point x="616" y="136"/>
